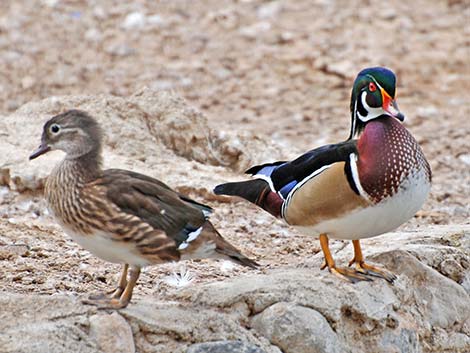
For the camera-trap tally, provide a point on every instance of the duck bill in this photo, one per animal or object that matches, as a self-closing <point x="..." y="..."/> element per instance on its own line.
<point x="40" y="151"/>
<point x="390" y="106"/>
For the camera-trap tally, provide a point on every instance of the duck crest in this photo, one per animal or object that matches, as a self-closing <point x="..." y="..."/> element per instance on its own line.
<point x="388" y="156"/>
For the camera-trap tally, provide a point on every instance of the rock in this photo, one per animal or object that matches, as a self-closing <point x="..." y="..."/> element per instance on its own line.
<point x="283" y="309"/>
<point x="269" y="10"/>
<point x="27" y="82"/>
<point x="120" y="49"/>
<point x="253" y="31"/>
<point x="156" y="20"/>
<point x="134" y="20"/>
<point x="465" y="158"/>
<point x="150" y="128"/>
<point x="112" y="332"/>
<point x="43" y="324"/>
<point x="297" y="329"/>
<point x="93" y="35"/>
<point x="50" y="3"/>
<point x="396" y="317"/>
<point x="224" y="347"/>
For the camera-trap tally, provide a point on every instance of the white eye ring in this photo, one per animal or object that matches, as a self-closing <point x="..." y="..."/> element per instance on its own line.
<point x="55" y="128"/>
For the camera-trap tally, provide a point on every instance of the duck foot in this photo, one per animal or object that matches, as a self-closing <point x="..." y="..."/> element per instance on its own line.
<point x="120" y="297"/>
<point x="362" y="267"/>
<point x="107" y="303"/>
<point x="347" y="274"/>
<point x="375" y="271"/>
<point x="115" y="293"/>
<point x="112" y="294"/>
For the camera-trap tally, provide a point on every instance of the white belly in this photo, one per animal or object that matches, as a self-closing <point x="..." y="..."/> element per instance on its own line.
<point x="380" y="218"/>
<point x="103" y="247"/>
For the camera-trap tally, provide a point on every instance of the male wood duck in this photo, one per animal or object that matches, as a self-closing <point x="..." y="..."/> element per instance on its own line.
<point x="122" y="216"/>
<point x="363" y="187"/>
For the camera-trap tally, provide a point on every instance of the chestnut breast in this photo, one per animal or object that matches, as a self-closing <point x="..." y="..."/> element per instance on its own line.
<point x="388" y="155"/>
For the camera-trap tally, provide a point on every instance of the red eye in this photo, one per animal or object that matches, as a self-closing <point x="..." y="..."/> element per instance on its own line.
<point x="372" y="87"/>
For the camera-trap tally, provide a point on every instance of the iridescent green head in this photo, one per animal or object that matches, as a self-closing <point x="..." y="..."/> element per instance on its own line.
<point x="373" y="96"/>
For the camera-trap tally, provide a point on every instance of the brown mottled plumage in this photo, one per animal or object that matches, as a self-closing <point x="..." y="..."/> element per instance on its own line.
<point x="122" y="216"/>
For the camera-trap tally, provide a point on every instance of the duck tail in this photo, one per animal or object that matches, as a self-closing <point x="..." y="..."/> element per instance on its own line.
<point x="256" y="191"/>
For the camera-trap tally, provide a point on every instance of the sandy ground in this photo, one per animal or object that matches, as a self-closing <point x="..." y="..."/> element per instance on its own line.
<point x="280" y="69"/>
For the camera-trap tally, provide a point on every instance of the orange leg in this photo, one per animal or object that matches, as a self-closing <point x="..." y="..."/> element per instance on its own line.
<point x="115" y="293"/>
<point x="344" y="273"/>
<point x="362" y="267"/>
<point x="121" y="296"/>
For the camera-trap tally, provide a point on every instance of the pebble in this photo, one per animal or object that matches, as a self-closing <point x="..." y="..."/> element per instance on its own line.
<point x="269" y="10"/>
<point x="27" y="82"/>
<point x="93" y="35"/>
<point x="120" y="50"/>
<point x="134" y="20"/>
<point x="465" y="158"/>
<point x="253" y="31"/>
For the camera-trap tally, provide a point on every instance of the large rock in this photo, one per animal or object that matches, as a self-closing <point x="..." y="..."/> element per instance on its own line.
<point x="149" y="131"/>
<point x="289" y="310"/>
<point x="297" y="329"/>
<point x="43" y="324"/>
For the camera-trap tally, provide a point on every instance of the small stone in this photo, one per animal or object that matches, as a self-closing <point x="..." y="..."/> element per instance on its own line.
<point x="28" y="82"/>
<point x="388" y="14"/>
<point x="134" y="20"/>
<point x="465" y="158"/>
<point x="50" y="3"/>
<point x="253" y="31"/>
<point x="93" y="35"/>
<point x="112" y="333"/>
<point x="120" y="50"/>
<point x="156" y="20"/>
<point x="429" y="111"/>
<point x="224" y="347"/>
<point x="99" y="13"/>
<point x="392" y="321"/>
<point x="222" y="73"/>
<point x="297" y="70"/>
<point x="269" y="10"/>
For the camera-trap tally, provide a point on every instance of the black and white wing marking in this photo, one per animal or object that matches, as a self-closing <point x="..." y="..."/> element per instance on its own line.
<point x="285" y="177"/>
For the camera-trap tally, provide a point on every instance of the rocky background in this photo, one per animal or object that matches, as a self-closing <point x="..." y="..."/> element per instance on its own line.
<point x="193" y="93"/>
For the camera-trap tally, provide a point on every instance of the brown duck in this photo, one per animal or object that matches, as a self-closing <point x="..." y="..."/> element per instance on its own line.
<point x="121" y="216"/>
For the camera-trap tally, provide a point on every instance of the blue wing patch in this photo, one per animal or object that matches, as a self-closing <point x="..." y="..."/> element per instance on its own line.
<point x="286" y="189"/>
<point x="268" y="170"/>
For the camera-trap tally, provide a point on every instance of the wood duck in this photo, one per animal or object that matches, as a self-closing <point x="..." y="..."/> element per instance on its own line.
<point x="122" y="216"/>
<point x="363" y="187"/>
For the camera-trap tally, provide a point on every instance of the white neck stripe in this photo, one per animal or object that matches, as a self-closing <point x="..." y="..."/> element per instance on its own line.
<point x="355" y="175"/>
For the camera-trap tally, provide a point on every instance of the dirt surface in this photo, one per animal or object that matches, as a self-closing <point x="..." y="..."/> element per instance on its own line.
<point x="282" y="70"/>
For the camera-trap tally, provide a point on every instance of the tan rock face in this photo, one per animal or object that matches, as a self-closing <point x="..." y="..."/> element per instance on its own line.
<point x="149" y="128"/>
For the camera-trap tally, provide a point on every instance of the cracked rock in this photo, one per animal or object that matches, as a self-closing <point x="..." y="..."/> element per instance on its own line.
<point x="112" y="332"/>
<point x="224" y="347"/>
<point x="297" y="329"/>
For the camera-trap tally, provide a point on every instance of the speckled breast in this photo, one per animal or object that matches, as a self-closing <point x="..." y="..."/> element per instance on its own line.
<point x="388" y="156"/>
